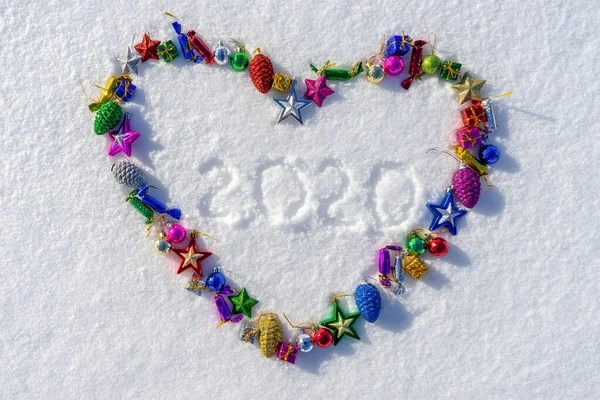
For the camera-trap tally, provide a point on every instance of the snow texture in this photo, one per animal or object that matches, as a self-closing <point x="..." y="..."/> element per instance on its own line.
<point x="297" y="213"/>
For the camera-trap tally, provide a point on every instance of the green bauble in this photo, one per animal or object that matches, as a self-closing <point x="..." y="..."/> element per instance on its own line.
<point x="416" y="245"/>
<point x="431" y="64"/>
<point x="239" y="60"/>
<point x="108" y="117"/>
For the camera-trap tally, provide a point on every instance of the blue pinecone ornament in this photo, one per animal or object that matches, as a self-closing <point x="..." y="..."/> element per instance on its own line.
<point x="368" y="301"/>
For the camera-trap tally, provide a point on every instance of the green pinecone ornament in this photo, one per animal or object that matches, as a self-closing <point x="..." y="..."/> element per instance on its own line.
<point x="107" y="118"/>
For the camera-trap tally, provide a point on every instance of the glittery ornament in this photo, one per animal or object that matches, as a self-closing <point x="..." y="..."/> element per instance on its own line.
<point x="471" y="161"/>
<point x="414" y="69"/>
<point x="393" y="65"/>
<point x="399" y="276"/>
<point x="216" y="281"/>
<point x="338" y="74"/>
<point x="141" y="207"/>
<point x="195" y="285"/>
<point x="221" y="53"/>
<point x="490" y="125"/>
<point x="158" y="206"/>
<point x="161" y="245"/>
<point x="167" y="51"/>
<point x="191" y="257"/>
<point x="414" y="266"/>
<point x="270" y="334"/>
<point x="467" y="187"/>
<point x="108" y="116"/>
<point x="185" y="43"/>
<point x="287" y="352"/>
<point x="222" y="308"/>
<point x="431" y="64"/>
<point x="201" y="47"/>
<point x="322" y="337"/>
<point x="282" y="82"/>
<point x="261" y="72"/>
<point x="398" y="45"/>
<point x="304" y="343"/>
<point x="175" y="233"/>
<point x="147" y="48"/>
<point x="242" y="303"/>
<point x="445" y="214"/>
<point x="416" y="244"/>
<point x="384" y="261"/>
<point x="489" y="154"/>
<point x="468" y="137"/>
<point x="341" y="324"/>
<point x="438" y="247"/>
<point x="292" y="106"/>
<point x="450" y="71"/>
<point x="317" y="90"/>
<point x="128" y="174"/>
<point x="248" y="332"/>
<point x="468" y="89"/>
<point x="474" y="116"/>
<point x="368" y="301"/>
<point x="124" y="89"/>
<point x="123" y="138"/>
<point x="375" y="72"/>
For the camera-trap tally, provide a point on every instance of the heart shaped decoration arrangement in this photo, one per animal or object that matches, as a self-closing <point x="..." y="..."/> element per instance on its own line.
<point x="396" y="261"/>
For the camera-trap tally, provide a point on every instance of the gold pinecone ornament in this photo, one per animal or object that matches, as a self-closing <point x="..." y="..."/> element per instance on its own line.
<point x="270" y="334"/>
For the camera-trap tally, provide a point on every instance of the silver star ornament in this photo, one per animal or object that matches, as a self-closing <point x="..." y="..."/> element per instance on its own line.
<point x="130" y="62"/>
<point x="292" y="106"/>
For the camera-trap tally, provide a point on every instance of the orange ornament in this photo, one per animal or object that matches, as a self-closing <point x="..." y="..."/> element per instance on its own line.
<point x="261" y="72"/>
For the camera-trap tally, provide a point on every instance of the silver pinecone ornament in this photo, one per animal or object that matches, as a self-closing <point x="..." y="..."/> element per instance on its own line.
<point x="128" y="174"/>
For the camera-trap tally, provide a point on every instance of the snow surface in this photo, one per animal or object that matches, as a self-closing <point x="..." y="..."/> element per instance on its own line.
<point x="89" y="310"/>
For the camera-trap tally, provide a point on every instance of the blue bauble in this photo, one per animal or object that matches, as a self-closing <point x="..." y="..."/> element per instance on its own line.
<point x="368" y="301"/>
<point x="489" y="154"/>
<point x="215" y="281"/>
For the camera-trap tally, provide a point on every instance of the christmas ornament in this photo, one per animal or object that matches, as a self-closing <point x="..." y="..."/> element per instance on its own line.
<point x="216" y="281"/>
<point x="468" y="88"/>
<point x="341" y="324"/>
<point x="368" y="301"/>
<point x="469" y="160"/>
<point x="489" y="154"/>
<point x="148" y="48"/>
<point x="450" y="71"/>
<point x="398" y="45"/>
<point x="414" y="266"/>
<point x="416" y="244"/>
<point x="287" y="352"/>
<point x="123" y="138"/>
<point x="375" y="72"/>
<point x="438" y="247"/>
<point x="191" y="257"/>
<point x="242" y="303"/>
<point x="384" y="261"/>
<point x="292" y="106"/>
<point x="201" y="47"/>
<point x="175" y="233"/>
<point x="445" y="214"/>
<point x="128" y="174"/>
<point x="490" y="119"/>
<point x="261" y="72"/>
<point x="158" y="206"/>
<point x="474" y="116"/>
<point x="399" y="276"/>
<point x="393" y="65"/>
<point x="239" y="60"/>
<point x="195" y="285"/>
<point x="129" y="63"/>
<point x="140" y="207"/>
<point x="282" y="82"/>
<point x="107" y="117"/>
<point x="304" y="342"/>
<point x="468" y="137"/>
<point x="124" y="89"/>
<point x="415" y="64"/>
<point x="167" y="51"/>
<point x="317" y="90"/>
<point x="323" y="337"/>
<point x="338" y="74"/>
<point x="248" y="333"/>
<point x="270" y="334"/>
<point x="221" y="53"/>
<point x="161" y="245"/>
<point x="431" y="63"/>
<point x="185" y="43"/>
<point x="466" y="187"/>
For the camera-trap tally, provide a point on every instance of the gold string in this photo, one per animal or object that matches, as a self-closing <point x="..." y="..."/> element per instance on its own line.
<point x="430" y="41"/>
<point x="327" y="65"/>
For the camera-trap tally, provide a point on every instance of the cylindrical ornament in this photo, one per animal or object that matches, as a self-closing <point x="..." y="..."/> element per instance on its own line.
<point x="270" y="334"/>
<point x="201" y="47"/>
<point x="384" y="261"/>
<point x="415" y="64"/>
<point x="261" y="72"/>
<point x="467" y="187"/>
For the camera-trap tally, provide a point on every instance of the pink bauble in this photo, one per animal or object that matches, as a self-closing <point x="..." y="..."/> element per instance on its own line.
<point x="393" y="65"/>
<point x="175" y="233"/>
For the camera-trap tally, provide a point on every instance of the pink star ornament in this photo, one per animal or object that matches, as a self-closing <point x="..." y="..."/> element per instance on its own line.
<point x="317" y="90"/>
<point x="122" y="138"/>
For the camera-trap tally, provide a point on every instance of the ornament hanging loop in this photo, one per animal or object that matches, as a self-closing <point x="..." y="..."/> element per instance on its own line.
<point x="241" y="46"/>
<point x="432" y="42"/>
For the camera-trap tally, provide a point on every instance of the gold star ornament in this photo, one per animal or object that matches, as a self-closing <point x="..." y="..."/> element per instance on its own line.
<point x="468" y="88"/>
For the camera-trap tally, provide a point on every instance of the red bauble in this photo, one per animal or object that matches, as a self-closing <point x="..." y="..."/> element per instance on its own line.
<point x="438" y="246"/>
<point x="261" y="72"/>
<point x="322" y="337"/>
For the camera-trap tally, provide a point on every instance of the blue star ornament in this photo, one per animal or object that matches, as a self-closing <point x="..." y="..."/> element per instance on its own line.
<point x="292" y="106"/>
<point x="445" y="214"/>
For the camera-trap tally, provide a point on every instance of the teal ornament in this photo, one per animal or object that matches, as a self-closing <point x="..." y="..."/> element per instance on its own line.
<point x="368" y="301"/>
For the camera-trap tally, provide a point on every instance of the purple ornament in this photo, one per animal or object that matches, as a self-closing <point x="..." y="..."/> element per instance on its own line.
<point x="175" y="233"/>
<point x="467" y="187"/>
<point x="317" y="90"/>
<point x="384" y="261"/>
<point x="393" y="65"/>
<point x="122" y="138"/>
<point x="393" y="247"/>
<point x="223" y="308"/>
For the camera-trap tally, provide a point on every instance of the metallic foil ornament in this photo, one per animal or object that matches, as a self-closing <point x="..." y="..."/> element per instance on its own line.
<point x="221" y="53"/>
<point x="216" y="281"/>
<point x="287" y="352"/>
<point x="191" y="257"/>
<point x="399" y="276"/>
<point x="375" y="72"/>
<point x="270" y="334"/>
<point x="490" y="125"/>
<point x="282" y="82"/>
<point x="175" y="233"/>
<point x="128" y="174"/>
<point x="489" y="154"/>
<point x="156" y="205"/>
<point x="123" y="138"/>
<point x="223" y="308"/>
<point x="341" y="324"/>
<point x="304" y="342"/>
<point x="468" y="137"/>
<point x="167" y="51"/>
<point x="140" y="207"/>
<point x="431" y="64"/>
<point x="393" y="65"/>
<point x="415" y="64"/>
<point x="384" y="261"/>
<point x="317" y="90"/>
<point x="438" y="247"/>
<point x="248" y="333"/>
<point x="468" y="89"/>
<point x="292" y="106"/>
<point x="322" y="337"/>
<point x="148" y="48"/>
<point x="201" y="47"/>
<point x="445" y="214"/>
<point x="338" y="74"/>
<point x="185" y="43"/>
<point x="261" y="72"/>
<point x="161" y="245"/>
<point x="368" y="301"/>
<point x="398" y="45"/>
<point x="450" y="70"/>
<point x="415" y="243"/>
<point x="129" y="63"/>
<point x="195" y="285"/>
<point x="466" y="186"/>
<point x="242" y="303"/>
<point x="108" y="116"/>
<point x="414" y="266"/>
<point x="474" y="116"/>
<point x="471" y="161"/>
<point x="239" y="60"/>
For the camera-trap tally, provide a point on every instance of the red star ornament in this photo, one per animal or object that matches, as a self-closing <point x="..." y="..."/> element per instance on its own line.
<point x="147" y="48"/>
<point x="191" y="257"/>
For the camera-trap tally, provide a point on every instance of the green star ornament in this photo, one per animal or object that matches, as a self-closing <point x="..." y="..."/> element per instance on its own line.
<point x="242" y="303"/>
<point x="468" y="88"/>
<point x="340" y="324"/>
